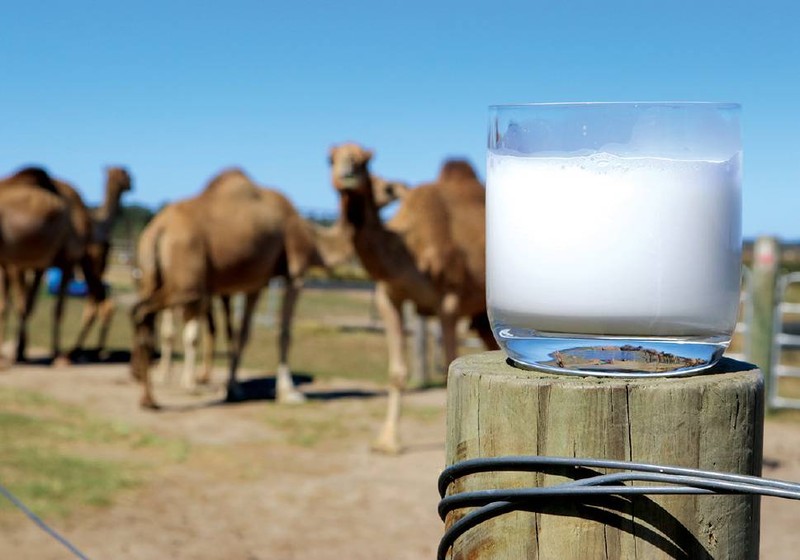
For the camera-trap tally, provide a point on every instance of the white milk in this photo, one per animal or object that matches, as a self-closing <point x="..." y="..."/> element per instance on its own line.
<point x="616" y="246"/>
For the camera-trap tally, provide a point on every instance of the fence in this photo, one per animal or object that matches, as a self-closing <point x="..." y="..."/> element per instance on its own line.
<point x="769" y="323"/>
<point x="785" y="338"/>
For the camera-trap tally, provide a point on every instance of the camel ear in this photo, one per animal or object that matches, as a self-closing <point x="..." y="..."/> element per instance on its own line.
<point x="367" y="155"/>
<point x="331" y="153"/>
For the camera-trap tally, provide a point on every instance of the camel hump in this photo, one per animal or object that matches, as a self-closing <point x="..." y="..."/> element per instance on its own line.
<point x="229" y="182"/>
<point x="34" y="177"/>
<point x="457" y="169"/>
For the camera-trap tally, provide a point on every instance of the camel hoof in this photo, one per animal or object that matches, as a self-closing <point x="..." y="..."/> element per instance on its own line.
<point x="5" y="363"/>
<point x="61" y="361"/>
<point x="189" y="387"/>
<point x="290" y="397"/>
<point x="148" y="403"/>
<point x="386" y="446"/>
<point x="78" y="357"/>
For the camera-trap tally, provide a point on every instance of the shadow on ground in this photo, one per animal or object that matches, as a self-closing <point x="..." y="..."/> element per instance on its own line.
<point x="94" y="356"/>
<point x="263" y="389"/>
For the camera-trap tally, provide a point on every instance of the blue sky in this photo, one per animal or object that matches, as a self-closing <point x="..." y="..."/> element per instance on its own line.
<point x="178" y="90"/>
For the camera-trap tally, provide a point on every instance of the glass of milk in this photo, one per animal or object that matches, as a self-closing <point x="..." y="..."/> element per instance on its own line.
<point x="613" y="234"/>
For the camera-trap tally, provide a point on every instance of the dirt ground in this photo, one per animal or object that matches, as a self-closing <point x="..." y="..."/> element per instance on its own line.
<point x="262" y="482"/>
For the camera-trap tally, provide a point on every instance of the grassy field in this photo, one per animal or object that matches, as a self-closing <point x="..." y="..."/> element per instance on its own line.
<point x="57" y="458"/>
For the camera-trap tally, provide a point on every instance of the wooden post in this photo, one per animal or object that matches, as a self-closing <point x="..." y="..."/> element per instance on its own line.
<point x="766" y="259"/>
<point x="711" y="421"/>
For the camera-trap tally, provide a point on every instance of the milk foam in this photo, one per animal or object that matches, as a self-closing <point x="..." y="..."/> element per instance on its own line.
<point x="603" y="244"/>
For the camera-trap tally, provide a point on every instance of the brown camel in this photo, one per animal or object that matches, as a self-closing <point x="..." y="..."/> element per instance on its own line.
<point x="431" y="252"/>
<point x="43" y="223"/>
<point x="118" y="182"/>
<point x="334" y="246"/>
<point x="231" y="238"/>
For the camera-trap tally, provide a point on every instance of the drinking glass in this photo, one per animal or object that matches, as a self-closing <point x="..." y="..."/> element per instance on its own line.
<point x="613" y="235"/>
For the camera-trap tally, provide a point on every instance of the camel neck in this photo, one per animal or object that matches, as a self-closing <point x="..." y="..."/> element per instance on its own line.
<point x="359" y="211"/>
<point x="110" y="207"/>
<point x="105" y="216"/>
<point x="380" y="250"/>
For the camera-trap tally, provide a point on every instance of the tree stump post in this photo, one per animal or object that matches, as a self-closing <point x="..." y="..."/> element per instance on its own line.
<point x="711" y="421"/>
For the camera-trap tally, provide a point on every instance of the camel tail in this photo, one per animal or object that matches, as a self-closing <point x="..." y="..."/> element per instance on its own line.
<point x="148" y="272"/>
<point x="149" y="280"/>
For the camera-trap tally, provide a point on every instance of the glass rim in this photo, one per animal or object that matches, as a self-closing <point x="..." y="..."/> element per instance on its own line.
<point x="630" y="104"/>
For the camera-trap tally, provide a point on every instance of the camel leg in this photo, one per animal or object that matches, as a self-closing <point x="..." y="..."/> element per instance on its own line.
<point x="18" y="287"/>
<point x="87" y="320"/>
<point x="4" y="307"/>
<point x="285" y="391"/>
<point x="234" y="389"/>
<point x="59" y="359"/>
<point x="448" y="316"/>
<point x="191" y="336"/>
<point x="96" y="303"/>
<point x="167" y="345"/>
<point x="480" y="323"/>
<point x="25" y="297"/>
<point x="106" y="311"/>
<point x="226" y="311"/>
<point x="209" y="345"/>
<point x="392" y="316"/>
<point x="143" y="345"/>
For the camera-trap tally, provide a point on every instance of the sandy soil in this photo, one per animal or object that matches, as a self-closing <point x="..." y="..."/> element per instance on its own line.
<point x="251" y="490"/>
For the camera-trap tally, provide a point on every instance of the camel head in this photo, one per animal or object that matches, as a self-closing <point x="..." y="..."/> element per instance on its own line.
<point x="119" y="179"/>
<point x="349" y="167"/>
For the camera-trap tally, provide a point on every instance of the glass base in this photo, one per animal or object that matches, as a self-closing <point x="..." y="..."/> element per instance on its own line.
<point x="610" y="356"/>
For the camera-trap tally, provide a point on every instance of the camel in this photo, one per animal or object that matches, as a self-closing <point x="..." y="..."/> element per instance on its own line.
<point x="118" y="182"/>
<point x="334" y="247"/>
<point x="43" y="223"/>
<point x="430" y="252"/>
<point x="231" y="238"/>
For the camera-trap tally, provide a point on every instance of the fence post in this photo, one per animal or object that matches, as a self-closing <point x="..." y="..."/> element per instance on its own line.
<point x="766" y="260"/>
<point x="711" y="421"/>
<point x="419" y="375"/>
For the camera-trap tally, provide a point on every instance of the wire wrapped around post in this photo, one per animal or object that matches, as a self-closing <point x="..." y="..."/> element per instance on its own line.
<point x="491" y="503"/>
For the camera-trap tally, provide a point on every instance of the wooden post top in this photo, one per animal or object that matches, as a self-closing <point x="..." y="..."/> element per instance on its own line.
<point x="495" y="363"/>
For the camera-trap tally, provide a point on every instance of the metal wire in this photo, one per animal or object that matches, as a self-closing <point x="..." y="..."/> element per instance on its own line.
<point x="495" y="502"/>
<point x="36" y="519"/>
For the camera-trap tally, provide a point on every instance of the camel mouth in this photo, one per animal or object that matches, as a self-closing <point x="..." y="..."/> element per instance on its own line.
<point x="348" y="182"/>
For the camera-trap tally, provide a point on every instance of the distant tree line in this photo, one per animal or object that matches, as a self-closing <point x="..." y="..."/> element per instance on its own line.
<point x="131" y="222"/>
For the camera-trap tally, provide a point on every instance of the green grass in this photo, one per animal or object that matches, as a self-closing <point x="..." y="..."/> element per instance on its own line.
<point x="57" y="459"/>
